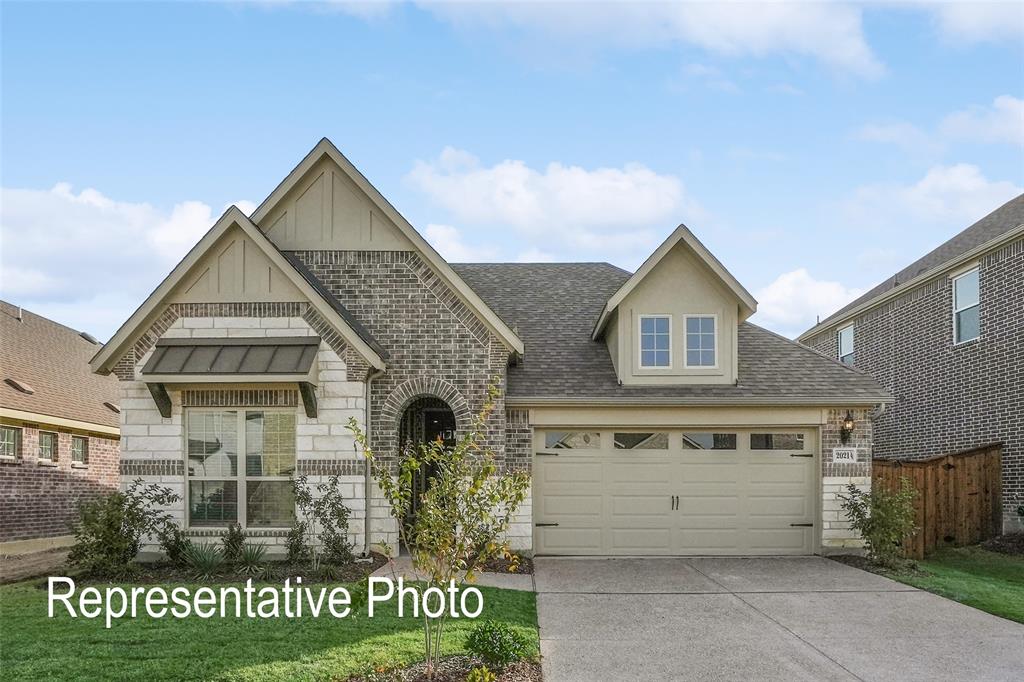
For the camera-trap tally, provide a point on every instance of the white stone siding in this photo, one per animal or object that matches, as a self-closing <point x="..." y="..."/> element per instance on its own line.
<point x="836" y="533"/>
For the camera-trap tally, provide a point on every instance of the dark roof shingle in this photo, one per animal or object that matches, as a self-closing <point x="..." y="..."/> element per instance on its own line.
<point x="553" y="306"/>
<point x="54" y="361"/>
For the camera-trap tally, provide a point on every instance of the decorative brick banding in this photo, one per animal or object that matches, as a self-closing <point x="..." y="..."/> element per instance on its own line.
<point x="331" y="467"/>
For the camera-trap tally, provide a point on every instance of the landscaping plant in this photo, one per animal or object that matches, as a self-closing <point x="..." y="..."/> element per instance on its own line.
<point x="250" y="559"/>
<point x="481" y="674"/>
<point x="885" y="519"/>
<point x="234" y="541"/>
<point x="204" y="560"/>
<point x="324" y="519"/>
<point x="497" y="643"/>
<point x="110" y="529"/>
<point x="173" y="543"/>
<point x="463" y="515"/>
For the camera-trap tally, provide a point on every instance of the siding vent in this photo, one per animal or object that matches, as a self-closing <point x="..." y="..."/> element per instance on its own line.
<point x="112" y="407"/>
<point x="20" y="386"/>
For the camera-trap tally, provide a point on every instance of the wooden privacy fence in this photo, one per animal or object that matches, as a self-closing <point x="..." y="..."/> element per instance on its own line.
<point x="958" y="496"/>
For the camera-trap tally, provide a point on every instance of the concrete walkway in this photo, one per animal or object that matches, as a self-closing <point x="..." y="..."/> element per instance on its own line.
<point x="509" y="581"/>
<point x="804" y="618"/>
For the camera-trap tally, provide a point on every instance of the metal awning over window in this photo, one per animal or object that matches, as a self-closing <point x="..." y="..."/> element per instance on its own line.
<point x="233" y="360"/>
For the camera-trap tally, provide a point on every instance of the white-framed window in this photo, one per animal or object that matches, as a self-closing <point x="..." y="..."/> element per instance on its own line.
<point x="966" y="307"/>
<point x="257" y="491"/>
<point x="701" y="342"/>
<point x="79" y="450"/>
<point x="10" y="441"/>
<point x="846" y="355"/>
<point x="655" y="341"/>
<point x="48" y="446"/>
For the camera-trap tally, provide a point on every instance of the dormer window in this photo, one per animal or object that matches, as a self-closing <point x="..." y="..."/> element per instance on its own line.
<point x="655" y="341"/>
<point x="701" y="341"/>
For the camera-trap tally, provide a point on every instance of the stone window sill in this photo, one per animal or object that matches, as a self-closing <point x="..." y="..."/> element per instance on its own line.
<point x="45" y="463"/>
<point x="6" y="459"/>
<point x="79" y="465"/>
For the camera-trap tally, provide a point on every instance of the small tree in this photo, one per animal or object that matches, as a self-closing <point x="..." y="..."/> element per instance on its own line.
<point x="884" y="519"/>
<point x="110" y="529"/>
<point x="324" y="521"/>
<point x="462" y="516"/>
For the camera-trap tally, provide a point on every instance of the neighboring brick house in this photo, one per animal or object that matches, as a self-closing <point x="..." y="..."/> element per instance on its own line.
<point x="58" y="430"/>
<point x="945" y="336"/>
<point x="653" y="418"/>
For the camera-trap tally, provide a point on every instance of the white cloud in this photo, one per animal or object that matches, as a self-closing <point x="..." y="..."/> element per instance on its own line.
<point x="792" y="301"/>
<point x="86" y="259"/>
<point x="535" y="256"/>
<point x="906" y="136"/>
<point x="570" y="204"/>
<point x="711" y="77"/>
<point x="1002" y="122"/>
<point x="947" y="195"/>
<point x="975" y="22"/>
<point x="831" y="33"/>
<point x="449" y="243"/>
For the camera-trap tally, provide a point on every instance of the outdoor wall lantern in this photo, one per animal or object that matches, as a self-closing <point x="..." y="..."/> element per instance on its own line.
<point x="847" y="427"/>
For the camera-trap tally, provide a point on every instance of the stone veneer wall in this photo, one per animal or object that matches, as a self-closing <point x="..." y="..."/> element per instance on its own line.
<point x="40" y="497"/>
<point x="152" y="446"/>
<point x="949" y="398"/>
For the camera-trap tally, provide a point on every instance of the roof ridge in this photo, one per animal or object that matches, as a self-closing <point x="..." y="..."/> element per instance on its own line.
<point x="44" y="318"/>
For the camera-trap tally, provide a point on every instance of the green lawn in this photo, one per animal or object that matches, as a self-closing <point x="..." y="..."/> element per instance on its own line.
<point x="62" y="648"/>
<point x="986" y="580"/>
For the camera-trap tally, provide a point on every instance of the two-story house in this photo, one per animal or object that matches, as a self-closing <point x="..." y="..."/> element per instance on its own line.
<point x="58" y="430"/>
<point x="945" y="336"/>
<point x="653" y="417"/>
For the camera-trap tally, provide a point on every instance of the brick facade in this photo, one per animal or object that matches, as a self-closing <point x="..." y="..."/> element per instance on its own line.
<point x="40" y="499"/>
<point x="949" y="397"/>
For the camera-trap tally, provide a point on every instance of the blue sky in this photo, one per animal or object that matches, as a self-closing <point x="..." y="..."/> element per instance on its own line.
<point x="814" y="148"/>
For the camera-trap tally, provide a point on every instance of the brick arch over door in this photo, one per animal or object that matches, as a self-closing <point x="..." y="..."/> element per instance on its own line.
<point x="420" y="387"/>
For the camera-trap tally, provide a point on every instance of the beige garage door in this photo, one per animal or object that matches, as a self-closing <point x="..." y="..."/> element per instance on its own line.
<point x="715" y="491"/>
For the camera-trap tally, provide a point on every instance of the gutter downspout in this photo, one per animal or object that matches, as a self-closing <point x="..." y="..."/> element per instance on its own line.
<point x="368" y="480"/>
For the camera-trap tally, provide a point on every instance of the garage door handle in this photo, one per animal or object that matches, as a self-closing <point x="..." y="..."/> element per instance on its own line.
<point x="802" y="525"/>
<point x="545" y="525"/>
<point x="802" y="455"/>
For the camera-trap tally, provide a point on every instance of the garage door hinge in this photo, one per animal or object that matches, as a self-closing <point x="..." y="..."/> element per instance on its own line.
<point x="802" y="525"/>
<point x="545" y="525"/>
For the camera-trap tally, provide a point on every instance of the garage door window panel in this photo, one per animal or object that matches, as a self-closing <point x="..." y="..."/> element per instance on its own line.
<point x="572" y="440"/>
<point x="641" y="441"/>
<point x="700" y="440"/>
<point x="777" y="441"/>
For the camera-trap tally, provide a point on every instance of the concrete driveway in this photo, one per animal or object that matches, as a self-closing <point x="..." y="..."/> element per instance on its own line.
<point x="805" y="618"/>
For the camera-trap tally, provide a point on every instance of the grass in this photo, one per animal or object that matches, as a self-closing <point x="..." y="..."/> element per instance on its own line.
<point x="62" y="648"/>
<point x="986" y="580"/>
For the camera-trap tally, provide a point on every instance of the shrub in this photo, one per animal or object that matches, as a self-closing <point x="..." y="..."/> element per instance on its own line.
<point x="884" y="519"/>
<point x="110" y="528"/>
<point x="204" y="560"/>
<point x="234" y="541"/>
<point x="481" y="674"/>
<point x="174" y="543"/>
<point x="250" y="559"/>
<point x="295" y="543"/>
<point x="326" y="520"/>
<point x="497" y="643"/>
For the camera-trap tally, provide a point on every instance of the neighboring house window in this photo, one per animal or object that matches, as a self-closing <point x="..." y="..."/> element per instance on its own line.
<point x="966" y="309"/>
<point x="846" y="345"/>
<point x="48" y="446"/>
<point x="700" y="341"/>
<point x="10" y="441"/>
<point x="655" y="341"/>
<point x="256" y="492"/>
<point x="79" y="450"/>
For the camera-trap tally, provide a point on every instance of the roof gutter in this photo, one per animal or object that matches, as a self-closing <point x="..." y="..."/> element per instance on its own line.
<point x="51" y="420"/>
<point x="926" y="276"/>
<point x="816" y="401"/>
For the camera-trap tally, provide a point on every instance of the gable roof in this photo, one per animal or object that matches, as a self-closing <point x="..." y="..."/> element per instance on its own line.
<point x="53" y="361"/>
<point x="680" y="234"/>
<point x="554" y="306"/>
<point x="319" y="298"/>
<point x="469" y="297"/>
<point x="1001" y="225"/>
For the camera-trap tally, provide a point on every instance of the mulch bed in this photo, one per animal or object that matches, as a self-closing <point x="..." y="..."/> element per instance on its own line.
<point x="456" y="668"/>
<point x="163" y="573"/>
<point x="1008" y="543"/>
<point x="865" y="564"/>
<point x="501" y="565"/>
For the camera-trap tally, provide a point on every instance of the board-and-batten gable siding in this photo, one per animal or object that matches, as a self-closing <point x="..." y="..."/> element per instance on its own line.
<point x="235" y="269"/>
<point x="325" y="211"/>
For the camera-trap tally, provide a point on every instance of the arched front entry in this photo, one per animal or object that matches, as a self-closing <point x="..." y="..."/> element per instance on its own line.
<point x="425" y="419"/>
